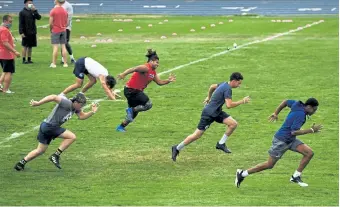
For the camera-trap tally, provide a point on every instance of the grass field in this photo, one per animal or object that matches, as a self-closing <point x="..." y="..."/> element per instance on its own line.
<point x="104" y="167"/>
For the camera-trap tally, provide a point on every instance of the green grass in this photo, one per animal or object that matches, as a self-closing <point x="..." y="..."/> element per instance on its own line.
<point x="104" y="167"/>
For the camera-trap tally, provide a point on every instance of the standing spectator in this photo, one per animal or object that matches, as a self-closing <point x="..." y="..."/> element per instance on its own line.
<point x="28" y="30"/>
<point x="69" y="9"/>
<point x="58" y="23"/>
<point x="7" y="54"/>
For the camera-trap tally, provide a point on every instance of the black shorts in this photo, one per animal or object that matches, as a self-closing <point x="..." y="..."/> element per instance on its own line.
<point x="206" y="120"/>
<point x="80" y="69"/>
<point x="68" y="35"/>
<point x="135" y="97"/>
<point x="29" y="41"/>
<point x="48" y="132"/>
<point x="8" y="66"/>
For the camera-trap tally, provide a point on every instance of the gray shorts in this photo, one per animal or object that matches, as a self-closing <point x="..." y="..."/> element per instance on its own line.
<point x="279" y="147"/>
<point x="58" y="38"/>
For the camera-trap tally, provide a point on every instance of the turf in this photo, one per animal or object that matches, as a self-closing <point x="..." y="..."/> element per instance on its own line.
<point x="104" y="167"/>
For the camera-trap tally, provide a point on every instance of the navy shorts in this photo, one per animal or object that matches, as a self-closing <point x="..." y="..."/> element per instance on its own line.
<point x="206" y="120"/>
<point x="48" y="132"/>
<point x="80" y="69"/>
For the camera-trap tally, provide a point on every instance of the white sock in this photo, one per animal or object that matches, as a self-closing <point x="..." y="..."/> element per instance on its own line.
<point x="245" y="173"/>
<point x="71" y="56"/>
<point x="296" y="174"/>
<point x="61" y="94"/>
<point x="62" y="59"/>
<point x="223" y="139"/>
<point x="180" y="146"/>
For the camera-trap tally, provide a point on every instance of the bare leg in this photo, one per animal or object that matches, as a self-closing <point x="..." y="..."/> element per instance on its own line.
<point x="55" y="54"/>
<point x="92" y="81"/>
<point x="69" y="138"/>
<point x="307" y="153"/>
<point x="7" y="81"/>
<point x="35" y="153"/>
<point x="78" y="84"/>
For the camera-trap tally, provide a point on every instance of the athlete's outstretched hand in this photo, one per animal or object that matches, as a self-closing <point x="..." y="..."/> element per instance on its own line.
<point x="316" y="128"/>
<point x="206" y="100"/>
<point x="121" y="76"/>
<point x="95" y="106"/>
<point x="172" y="78"/>
<point x="34" y="103"/>
<point x="273" y="117"/>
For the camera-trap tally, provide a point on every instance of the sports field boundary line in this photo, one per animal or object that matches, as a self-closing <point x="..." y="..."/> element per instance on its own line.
<point x="272" y="37"/>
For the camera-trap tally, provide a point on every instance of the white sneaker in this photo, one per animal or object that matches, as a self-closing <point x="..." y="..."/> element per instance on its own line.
<point x="9" y="91"/>
<point x="65" y="65"/>
<point x="1" y="86"/>
<point x="53" y="65"/>
<point x="298" y="181"/>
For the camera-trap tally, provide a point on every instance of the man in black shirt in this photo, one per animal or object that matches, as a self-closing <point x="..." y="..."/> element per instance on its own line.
<point x="28" y="29"/>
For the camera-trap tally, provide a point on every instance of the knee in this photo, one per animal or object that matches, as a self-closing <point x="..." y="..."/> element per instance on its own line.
<point x="148" y="105"/>
<point x="233" y="125"/>
<point x="78" y="85"/>
<point x="270" y="165"/>
<point x="309" y="154"/>
<point x="73" y="137"/>
<point x="40" y="151"/>
<point x="94" y="81"/>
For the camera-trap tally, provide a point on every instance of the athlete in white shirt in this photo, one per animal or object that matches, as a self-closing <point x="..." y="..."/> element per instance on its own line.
<point x="68" y="7"/>
<point x="93" y="70"/>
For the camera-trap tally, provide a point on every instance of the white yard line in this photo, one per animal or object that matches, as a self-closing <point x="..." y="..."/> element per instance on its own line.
<point x="19" y="134"/>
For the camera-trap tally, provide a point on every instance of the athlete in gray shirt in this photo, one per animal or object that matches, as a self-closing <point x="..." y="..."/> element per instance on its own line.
<point x="51" y="128"/>
<point x="218" y="94"/>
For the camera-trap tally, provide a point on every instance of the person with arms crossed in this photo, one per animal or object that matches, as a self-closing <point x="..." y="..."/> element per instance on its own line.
<point x="142" y="75"/>
<point x="28" y="30"/>
<point x="285" y="139"/>
<point x="218" y="95"/>
<point x="93" y="70"/>
<point x="51" y="128"/>
<point x="7" y="54"/>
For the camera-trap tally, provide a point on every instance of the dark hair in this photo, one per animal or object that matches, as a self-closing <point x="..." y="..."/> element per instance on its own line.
<point x="152" y="55"/>
<point x="25" y="1"/>
<point x="80" y="98"/>
<point x="110" y="81"/>
<point x="6" y="17"/>
<point x="312" y="102"/>
<point x="236" y="76"/>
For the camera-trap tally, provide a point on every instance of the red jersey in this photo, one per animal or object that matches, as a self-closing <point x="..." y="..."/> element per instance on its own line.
<point x="6" y="36"/>
<point x="59" y="15"/>
<point x="139" y="80"/>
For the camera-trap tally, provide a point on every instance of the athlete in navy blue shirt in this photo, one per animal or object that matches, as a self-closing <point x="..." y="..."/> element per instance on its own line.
<point x="285" y="139"/>
<point x="218" y="94"/>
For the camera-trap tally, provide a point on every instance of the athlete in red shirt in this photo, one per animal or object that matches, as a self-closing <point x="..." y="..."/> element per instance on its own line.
<point x="142" y="75"/>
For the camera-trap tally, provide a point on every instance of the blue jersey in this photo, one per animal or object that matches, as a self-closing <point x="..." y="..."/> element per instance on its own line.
<point x="214" y="107"/>
<point x="294" y="121"/>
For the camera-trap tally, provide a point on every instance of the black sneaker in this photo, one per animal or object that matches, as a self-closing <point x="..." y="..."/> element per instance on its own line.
<point x="175" y="152"/>
<point x="19" y="166"/>
<point x="55" y="159"/>
<point x="73" y="61"/>
<point x="239" y="178"/>
<point x="298" y="181"/>
<point x="29" y="62"/>
<point x="222" y="147"/>
<point x="24" y="62"/>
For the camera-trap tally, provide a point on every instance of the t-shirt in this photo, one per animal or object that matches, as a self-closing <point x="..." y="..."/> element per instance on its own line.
<point x="60" y="16"/>
<point x="61" y="112"/>
<point x="294" y="121"/>
<point x="6" y="36"/>
<point x="214" y="107"/>
<point x="94" y="68"/>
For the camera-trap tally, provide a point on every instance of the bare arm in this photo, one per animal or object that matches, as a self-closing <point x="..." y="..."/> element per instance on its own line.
<point x="106" y="88"/>
<point x="9" y="47"/>
<point x="51" y="23"/>
<point x="160" y="82"/>
<point x="274" y="115"/>
<point x="231" y="104"/>
<point x="82" y="115"/>
<point x="211" y="90"/>
<point x="47" y="99"/>
<point x="140" y="68"/>
<point x="313" y="129"/>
